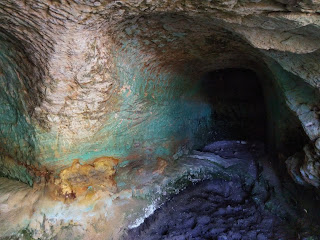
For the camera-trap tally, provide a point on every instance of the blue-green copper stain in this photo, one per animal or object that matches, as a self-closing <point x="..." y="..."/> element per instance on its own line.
<point x="17" y="136"/>
<point x="157" y="111"/>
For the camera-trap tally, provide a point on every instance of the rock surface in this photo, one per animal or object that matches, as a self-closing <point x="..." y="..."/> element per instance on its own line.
<point x="242" y="180"/>
<point x="216" y="209"/>
<point x="231" y="208"/>
<point x="122" y="80"/>
<point x="86" y="79"/>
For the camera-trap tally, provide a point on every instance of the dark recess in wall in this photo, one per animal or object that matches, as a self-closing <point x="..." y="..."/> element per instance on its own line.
<point x="238" y="107"/>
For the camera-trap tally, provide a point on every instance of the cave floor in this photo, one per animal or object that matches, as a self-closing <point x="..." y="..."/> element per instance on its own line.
<point x="228" y="190"/>
<point x="226" y="208"/>
<point x="213" y="209"/>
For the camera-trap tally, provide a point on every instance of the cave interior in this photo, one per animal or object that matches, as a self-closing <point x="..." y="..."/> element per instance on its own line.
<point x="159" y="119"/>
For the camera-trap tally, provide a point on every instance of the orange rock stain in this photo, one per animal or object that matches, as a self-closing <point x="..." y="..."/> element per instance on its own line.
<point x="86" y="179"/>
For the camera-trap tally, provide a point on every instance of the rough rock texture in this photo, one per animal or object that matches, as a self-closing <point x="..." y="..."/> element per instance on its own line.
<point x="28" y="213"/>
<point x="84" y="79"/>
<point x="78" y="178"/>
<point x="246" y="208"/>
<point x="217" y="209"/>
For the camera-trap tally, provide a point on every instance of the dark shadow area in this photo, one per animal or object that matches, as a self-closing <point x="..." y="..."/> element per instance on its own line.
<point x="238" y="107"/>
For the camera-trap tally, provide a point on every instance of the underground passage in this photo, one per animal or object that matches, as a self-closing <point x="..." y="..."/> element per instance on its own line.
<point x="238" y="108"/>
<point x="159" y="119"/>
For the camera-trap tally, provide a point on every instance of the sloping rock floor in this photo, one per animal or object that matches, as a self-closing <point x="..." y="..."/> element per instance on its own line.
<point x="219" y="208"/>
<point x="215" y="209"/>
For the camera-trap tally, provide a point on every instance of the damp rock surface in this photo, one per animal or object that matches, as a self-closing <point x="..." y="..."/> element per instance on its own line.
<point x="213" y="209"/>
<point x="246" y="202"/>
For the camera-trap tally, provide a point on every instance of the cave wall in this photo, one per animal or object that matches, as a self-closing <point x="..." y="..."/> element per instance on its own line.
<point x="163" y="107"/>
<point x="89" y="79"/>
<point x="17" y="134"/>
<point x="303" y="101"/>
<point x="152" y="114"/>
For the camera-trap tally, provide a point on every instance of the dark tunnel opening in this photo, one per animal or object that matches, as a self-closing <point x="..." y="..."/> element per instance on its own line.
<point x="238" y="106"/>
